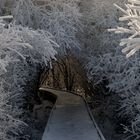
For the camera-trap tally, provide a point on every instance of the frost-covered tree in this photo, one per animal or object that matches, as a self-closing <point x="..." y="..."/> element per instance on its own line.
<point x="39" y="40"/>
<point x="122" y="74"/>
<point x="27" y="45"/>
<point x="130" y="88"/>
<point x="59" y="17"/>
<point x="22" y="50"/>
<point x="98" y="16"/>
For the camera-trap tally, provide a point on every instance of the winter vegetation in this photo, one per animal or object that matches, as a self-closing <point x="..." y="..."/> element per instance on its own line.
<point x="19" y="45"/>
<point x="74" y="41"/>
<point x="59" y="17"/>
<point x="28" y="44"/>
<point x="119" y="74"/>
<point x="130" y="96"/>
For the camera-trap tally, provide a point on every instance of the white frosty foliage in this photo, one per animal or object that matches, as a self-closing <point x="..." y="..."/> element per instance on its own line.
<point x="59" y="17"/>
<point x="31" y="39"/>
<point x="16" y="44"/>
<point x="131" y="15"/>
<point x="123" y="78"/>
<point x="129" y="79"/>
<point x="6" y="17"/>
<point x="16" y="37"/>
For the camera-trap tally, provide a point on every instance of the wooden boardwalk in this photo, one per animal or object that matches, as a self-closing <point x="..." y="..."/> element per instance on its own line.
<point x="70" y="119"/>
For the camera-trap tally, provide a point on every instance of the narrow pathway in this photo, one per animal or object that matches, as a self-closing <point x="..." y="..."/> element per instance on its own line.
<point x="70" y="119"/>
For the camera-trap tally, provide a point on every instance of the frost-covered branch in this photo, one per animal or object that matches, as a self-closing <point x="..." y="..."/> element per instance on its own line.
<point x="6" y="17"/>
<point x="61" y="18"/>
<point x="131" y="15"/>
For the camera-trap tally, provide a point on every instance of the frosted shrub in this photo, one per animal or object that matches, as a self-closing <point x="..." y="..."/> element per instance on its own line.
<point x="98" y="16"/>
<point x="60" y="18"/>
<point x="21" y="38"/>
<point x="27" y="44"/>
<point x="123" y="74"/>
<point x="67" y="15"/>
<point x="17" y="44"/>
<point x="123" y="78"/>
<point x="130" y="82"/>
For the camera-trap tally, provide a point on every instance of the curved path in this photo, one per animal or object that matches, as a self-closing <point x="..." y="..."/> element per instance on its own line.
<point x="70" y="119"/>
